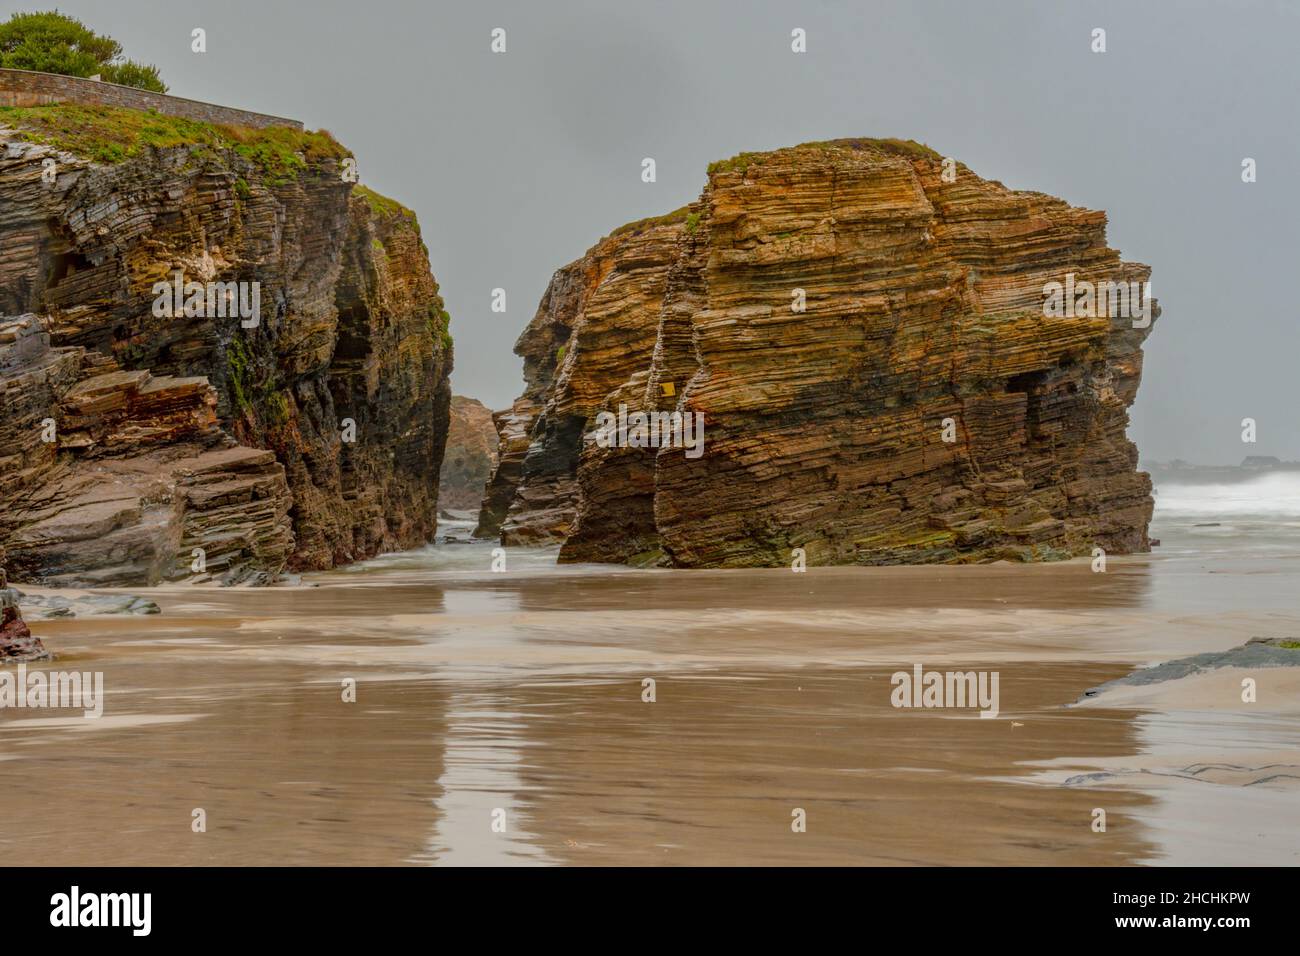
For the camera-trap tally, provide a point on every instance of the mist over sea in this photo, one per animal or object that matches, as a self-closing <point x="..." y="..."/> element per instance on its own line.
<point x="1255" y="518"/>
<point x="1270" y="495"/>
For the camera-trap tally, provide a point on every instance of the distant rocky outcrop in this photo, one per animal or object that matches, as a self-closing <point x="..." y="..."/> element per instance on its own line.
<point x="17" y="643"/>
<point x="470" y="457"/>
<point x="921" y="407"/>
<point x="141" y="443"/>
<point x="1179" y="472"/>
<point x="1256" y="653"/>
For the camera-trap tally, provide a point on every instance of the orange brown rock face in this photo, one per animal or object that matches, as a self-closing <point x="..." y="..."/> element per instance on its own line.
<point x="173" y="432"/>
<point x="920" y="408"/>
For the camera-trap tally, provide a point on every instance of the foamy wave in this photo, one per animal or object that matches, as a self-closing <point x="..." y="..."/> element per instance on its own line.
<point x="1267" y="495"/>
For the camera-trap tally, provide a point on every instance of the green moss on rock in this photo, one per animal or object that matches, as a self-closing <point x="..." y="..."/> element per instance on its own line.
<point x="383" y="207"/>
<point x="237" y="362"/>
<point x="440" y="326"/>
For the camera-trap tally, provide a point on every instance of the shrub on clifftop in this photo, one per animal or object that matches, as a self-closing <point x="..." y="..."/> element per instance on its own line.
<point x="56" y="43"/>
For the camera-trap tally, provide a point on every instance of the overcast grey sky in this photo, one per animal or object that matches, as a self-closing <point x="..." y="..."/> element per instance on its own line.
<point x="517" y="163"/>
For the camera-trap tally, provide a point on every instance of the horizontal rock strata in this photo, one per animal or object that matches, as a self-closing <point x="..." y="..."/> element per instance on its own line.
<point x="922" y="407"/>
<point x="141" y="444"/>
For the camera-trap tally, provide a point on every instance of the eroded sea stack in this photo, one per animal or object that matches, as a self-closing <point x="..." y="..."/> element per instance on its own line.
<point x="141" y="444"/>
<point x="922" y="407"/>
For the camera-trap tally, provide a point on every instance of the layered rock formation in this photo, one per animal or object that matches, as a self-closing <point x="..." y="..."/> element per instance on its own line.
<point x="141" y="443"/>
<point x="921" y="407"/>
<point x="470" y="457"/>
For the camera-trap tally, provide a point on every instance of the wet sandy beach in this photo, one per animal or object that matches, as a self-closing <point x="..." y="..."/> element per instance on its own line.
<point x="521" y="692"/>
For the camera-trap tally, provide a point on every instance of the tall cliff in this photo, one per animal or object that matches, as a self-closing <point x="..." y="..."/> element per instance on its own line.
<point x="139" y="443"/>
<point x="863" y="329"/>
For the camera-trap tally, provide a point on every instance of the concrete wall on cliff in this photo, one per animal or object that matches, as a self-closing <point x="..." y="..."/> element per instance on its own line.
<point x="31" y="88"/>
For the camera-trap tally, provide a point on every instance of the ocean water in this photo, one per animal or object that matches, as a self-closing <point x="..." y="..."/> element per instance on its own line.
<point x="1259" y="518"/>
<point x="1269" y="496"/>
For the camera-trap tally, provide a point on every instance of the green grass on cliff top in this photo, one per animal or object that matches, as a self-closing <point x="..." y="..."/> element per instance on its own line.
<point x="667" y="219"/>
<point x="899" y="147"/>
<point x="110" y="134"/>
<point x="741" y="162"/>
<point x="381" y="205"/>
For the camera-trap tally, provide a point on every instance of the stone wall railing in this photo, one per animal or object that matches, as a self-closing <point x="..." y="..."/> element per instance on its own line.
<point x="28" y="88"/>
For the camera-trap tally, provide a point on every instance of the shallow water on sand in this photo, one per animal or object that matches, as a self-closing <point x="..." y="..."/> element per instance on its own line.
<point x="481" y="692"/>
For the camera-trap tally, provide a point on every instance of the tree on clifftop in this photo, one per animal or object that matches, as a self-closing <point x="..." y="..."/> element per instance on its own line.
<point x="56" y="43"/>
